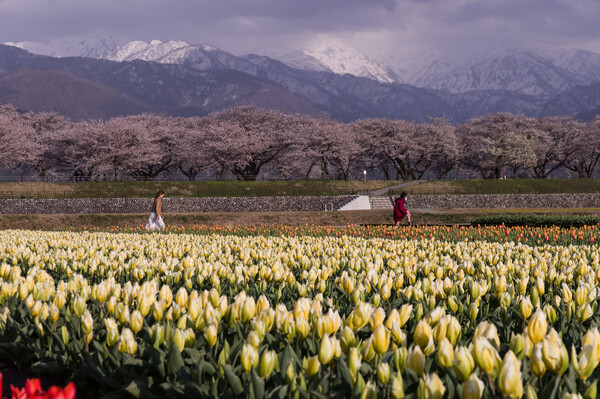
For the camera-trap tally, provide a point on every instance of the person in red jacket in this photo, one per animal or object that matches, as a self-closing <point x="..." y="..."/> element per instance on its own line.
<point x="400" y="210"/>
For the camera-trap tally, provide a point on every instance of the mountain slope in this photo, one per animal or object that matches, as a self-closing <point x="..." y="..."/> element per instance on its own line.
<point x="338" y="58"/>
<point x="66" y="94"/>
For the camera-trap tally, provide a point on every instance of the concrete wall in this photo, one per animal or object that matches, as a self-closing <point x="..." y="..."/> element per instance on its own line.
<point x="504" y="201"/>
<point x="171" y="205"/>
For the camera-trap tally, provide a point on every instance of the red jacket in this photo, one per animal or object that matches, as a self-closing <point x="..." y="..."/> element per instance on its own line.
<point x="399" y="209"/>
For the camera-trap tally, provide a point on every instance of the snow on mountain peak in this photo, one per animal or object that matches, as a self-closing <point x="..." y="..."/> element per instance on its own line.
<point x="72" y="46"/>
<point x="140" y="50"/>
<point x="339" y="58"/>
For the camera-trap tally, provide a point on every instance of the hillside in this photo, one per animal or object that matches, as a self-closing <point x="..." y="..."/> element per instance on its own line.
<point x="64" y="93"/>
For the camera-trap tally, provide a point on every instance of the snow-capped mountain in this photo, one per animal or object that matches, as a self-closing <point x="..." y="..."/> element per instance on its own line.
<point x="200" y="57"/>
<point x="72" y="47"/>
<point x="520" y="71"/>
<point x="338" y="58"/>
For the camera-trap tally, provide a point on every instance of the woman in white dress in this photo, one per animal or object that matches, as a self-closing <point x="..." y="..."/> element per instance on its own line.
<point x="155" y="221"/>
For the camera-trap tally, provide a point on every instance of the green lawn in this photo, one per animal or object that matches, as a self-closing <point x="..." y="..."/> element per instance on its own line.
<point x="134" y="189"/>
<point x="510" y="186"/>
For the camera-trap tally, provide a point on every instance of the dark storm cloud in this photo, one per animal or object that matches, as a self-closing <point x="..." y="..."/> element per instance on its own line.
<point x="268" y="26"/>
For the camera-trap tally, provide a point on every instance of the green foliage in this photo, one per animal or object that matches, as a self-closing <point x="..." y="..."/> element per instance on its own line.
<point x="537" y="220"/>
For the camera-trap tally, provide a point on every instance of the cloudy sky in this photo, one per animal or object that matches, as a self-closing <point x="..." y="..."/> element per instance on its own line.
<point x="271" y="27"/>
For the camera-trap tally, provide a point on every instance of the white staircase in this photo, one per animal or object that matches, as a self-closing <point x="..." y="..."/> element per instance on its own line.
<point x="359" y="203"/>
<point x="381" y="202"/>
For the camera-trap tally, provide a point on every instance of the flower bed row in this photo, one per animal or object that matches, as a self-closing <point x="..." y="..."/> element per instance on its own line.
<point x="155" y="315"/>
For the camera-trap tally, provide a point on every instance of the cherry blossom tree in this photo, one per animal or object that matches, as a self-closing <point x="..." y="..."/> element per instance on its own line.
<point x="17" y="139"/>
<point x="555" y="143"/>
<point x="586" y="147"/>
<point x="254" y="138"/>
<point x="190" y="149"/>
<point x="47" y="128"/>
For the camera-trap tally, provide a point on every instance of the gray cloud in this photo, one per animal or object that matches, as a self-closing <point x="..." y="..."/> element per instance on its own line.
<point x="273" y="26"/>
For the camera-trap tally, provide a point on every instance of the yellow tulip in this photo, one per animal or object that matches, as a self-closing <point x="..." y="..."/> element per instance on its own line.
<point x="464" y="364"/>
<point x="381" y="339"/>
<point x="415" y="360"/>
<point x="509" y="378"/>
<point x="326" y="350"/>
<point x="485" y="355"/>
<point x="311" y="366"/>
<point x="472" y="388"/>
<point x="537" y="327"/>
<point x="397" y="386"/>
<point x="431" y="387"/>
<point x="249" y="357"/>
<point x="536" y="362"/>
<point x="445" y="354"/>
<point x="423" y="336"/>
<point x="267" y="363"/>
<point x="383" y="372"/>
<point x="554" y="353"/>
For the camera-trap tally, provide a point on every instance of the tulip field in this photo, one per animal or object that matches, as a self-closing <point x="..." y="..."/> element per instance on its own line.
<point x="306" y="312"/>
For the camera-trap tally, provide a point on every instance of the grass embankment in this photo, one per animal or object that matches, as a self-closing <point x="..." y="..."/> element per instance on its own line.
<point x="510" y="186"/>
<point x="103" y="221"/>
<point x="136" y="189"/>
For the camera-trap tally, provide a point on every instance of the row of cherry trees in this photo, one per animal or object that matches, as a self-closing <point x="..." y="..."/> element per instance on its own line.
<point x="248" y="142"/>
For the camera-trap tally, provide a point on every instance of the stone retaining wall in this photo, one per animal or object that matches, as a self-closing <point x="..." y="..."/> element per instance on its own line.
<point x="510" y="201"/>
<point x="171" y="205"/>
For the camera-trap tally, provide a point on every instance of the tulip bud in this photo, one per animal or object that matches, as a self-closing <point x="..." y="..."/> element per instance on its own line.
<point x="423" y="336"/>
<point x="157" y="334"/>
<point x="367" y="350"/>
<point x="179" y="339"/>
<point x="464" y="364"/>
<point x="415" y="360"/>
<point x="473" y="311"/>
<point x="347" y="339"/>
<point x="249" y="357"/>
<point x="302" y="328"/>
<point x="397" y="386"/>
<point x="530" y="392"/>
<point x="509" y="377"/>
<point x="537" y="327"/>
<point x="485" y="354"/>
<point x="112" y="331"/>
<point x="517" y="345"/>
<point x="505" y="299"/>
<point x="526" y="307"/>
<point x="210" y="335"/>
<point x="473" y="388"/>
<point x="383" y="372"/>
<point x="440" y="329"/>
<point x="405" y="313"/>
<point x="326" y="350"/>
<point x="536" y="362"/>
<point x="181" y="298"/>
<point x="54" y="313"/>
<point x="377" y="318"/>
<point x="248" y="309"/>
<point x="567" y="294"/>
<point x="419" y="311"/>
<point x="533" y="294"/>
<point x="589" y="357"/>
<point x="311" y="366"/>
<point x="445" y="354"/>
<point x="584" y="313"/>
<point x="400" y="355"/>
<point x="550" y="313"/>
<point x="268" y="361"/>
<point x="136" y="321"/>
<point x="453" y="304"/>
<point x="453" y="331"/>
<point x="64" y="335"/>
<point x="431" y="387"/>
<point x="381" y="339"/>
<point x="79" y="306"/>
<point x="354" y="362"/>
<point x="554" y="353"/>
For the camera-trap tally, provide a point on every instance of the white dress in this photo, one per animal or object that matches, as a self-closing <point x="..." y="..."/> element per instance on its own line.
<point x="155" y="222"/>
